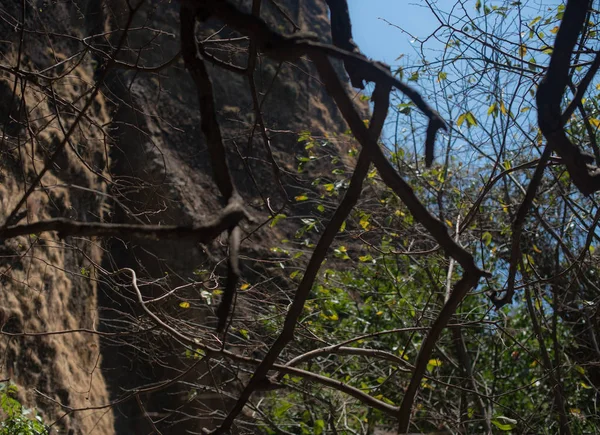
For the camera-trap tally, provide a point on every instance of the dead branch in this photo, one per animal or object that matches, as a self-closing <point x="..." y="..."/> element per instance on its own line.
<point x="232" y="215"/>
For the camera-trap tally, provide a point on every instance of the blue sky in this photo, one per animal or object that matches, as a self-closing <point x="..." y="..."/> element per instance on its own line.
<point x="384" y="42"/>
<point x="381" y="41"/>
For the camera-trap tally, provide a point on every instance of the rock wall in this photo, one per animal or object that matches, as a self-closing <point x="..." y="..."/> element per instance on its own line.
<point x="49" y="284"/>
<point x="138" y="156"/>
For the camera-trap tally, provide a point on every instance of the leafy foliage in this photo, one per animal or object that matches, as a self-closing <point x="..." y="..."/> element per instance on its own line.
<point x="17" y="419"/>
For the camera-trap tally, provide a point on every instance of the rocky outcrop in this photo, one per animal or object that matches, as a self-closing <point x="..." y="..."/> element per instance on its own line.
<point x="48" y="293"/>
<point x="137" y="155"/>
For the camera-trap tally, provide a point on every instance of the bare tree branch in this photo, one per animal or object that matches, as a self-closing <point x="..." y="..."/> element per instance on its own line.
<point x="550" y="93"/>
<point x="218" y="156"/>
<point x="232" y="215"/>
<point x="381" y="99"/>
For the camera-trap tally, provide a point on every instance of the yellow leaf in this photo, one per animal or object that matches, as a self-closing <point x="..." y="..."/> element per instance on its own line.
<point x="595" y="122"/>
<point x="449" y="223"/>
<point x="536" y="249"/>
<point x="301" y="198"/>
<point x="522" y="51"/>
<point x="554" y="30"/>
<point x="503" y="108"/>
<point x="379" y="313"/>
<point x="435" y="363"/>
<point x="364" y="223"/>
<point x="535" y="21"/>
<point x="184" y="304"/>
<point x="244" y="286"/>
<point x="467" y="116"/>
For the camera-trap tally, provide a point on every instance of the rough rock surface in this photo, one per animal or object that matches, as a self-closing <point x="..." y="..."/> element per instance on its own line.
<point x="138" y="155"/>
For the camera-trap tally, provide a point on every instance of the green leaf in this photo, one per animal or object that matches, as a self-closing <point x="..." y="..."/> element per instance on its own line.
<point x="433" y="363"/>
<point x="304" y="136"/>
<point x="471" y="121"/>
<point x="281" y="409"/>
<point x="535" y="21"/>
<point x="504" y="423"/>
<point x="364" y="223"/>
<point x="468" y="117"/>
<point x="277" y="218"/>
<point x="319" y="427"/>
<point x="547" y="50"/>
<point x="487" y="238"/>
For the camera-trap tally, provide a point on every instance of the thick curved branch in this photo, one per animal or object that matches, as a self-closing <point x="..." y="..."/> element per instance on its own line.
<point x="436" y="228"/>
<point x="292" y="47"/>
<point x="341" y="35"/>
<point x="517" y="228"/>
<point x="212" y="352"/>
<point x="461" y="288"/>
<point x="387" y="172"/>
<point x="381" y="99"/>
<point x="209" y="123"/>
<point x="218" y="156"/>
<point x="345" y="350"/>
<point x="232" y="215"/>
<point x="550" y="95"/>
<point x="551" y="121"/>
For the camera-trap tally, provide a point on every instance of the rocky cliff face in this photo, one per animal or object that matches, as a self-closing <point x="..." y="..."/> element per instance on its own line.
<point x="137" y="155"/>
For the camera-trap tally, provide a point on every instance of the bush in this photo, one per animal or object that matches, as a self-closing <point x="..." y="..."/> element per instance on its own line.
<point x="18" y="420"/>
